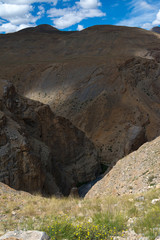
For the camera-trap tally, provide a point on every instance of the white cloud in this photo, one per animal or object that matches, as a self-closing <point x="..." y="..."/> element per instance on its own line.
<point x="19" y="13"/>
<point x="89" y="3"/>
<point x="141" y="6"/>
<point x="138" y="21"/>
<point x="41" y="11"/>
<point x="142" y="14"/>
<point x="147" y="25"/>
<point x="17" y="16"/>
<point x="28" y="2"/>
<point x="66" y="17"/>
<point x="80" y="27"/>
<point x="157" y="20"/>
<point x="9" y="27"/>
<point x="11" y="10"/>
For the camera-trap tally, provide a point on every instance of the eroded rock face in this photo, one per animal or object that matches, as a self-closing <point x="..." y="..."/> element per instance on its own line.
<point x="39" y="151"/>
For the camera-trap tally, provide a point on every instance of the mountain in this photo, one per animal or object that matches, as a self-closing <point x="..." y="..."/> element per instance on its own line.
<point x="135" y="173"/>
<point x="156" y="29"/>
<point x="104" y="79"/>
<point x="41" y="152"/>
<point x="43" y="28"/>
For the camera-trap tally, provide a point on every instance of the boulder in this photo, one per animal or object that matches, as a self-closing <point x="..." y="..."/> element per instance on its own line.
<point x="25" y="235"/>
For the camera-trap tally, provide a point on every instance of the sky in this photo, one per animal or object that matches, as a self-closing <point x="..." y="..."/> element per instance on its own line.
<point x="79" y="14"/>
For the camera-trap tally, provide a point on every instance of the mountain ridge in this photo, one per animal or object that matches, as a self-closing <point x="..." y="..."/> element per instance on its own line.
<point x="105" y="80"/>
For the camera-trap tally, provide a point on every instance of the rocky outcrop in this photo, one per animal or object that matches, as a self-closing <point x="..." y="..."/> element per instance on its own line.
<point x="40" y="152"/>
<point x="25" y="235"/>
<point x="135" y="173"/>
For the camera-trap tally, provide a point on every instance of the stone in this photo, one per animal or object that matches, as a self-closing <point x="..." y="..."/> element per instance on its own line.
<point x="25" y="235"/>
<point x="157" y="238"/>
<point x="154" y="201"/>
<point x="140" y="198"/>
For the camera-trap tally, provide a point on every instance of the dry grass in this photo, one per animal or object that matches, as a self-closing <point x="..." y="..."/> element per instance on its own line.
<point x="25" y="211"/>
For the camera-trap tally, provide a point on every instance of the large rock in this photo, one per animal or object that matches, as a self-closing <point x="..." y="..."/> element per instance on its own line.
<point x="25" y="235"/>
<point x="41" y="152"/>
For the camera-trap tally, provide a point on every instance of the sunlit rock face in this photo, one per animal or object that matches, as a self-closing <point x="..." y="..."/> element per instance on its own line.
<point x="40" y="152"/>
<point x="136" y="173"/>
<point x="104" y="79"/>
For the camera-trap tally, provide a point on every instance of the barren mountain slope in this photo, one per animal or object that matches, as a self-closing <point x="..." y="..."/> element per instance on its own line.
<point x="40" y="152"/>
<point x="156" y="29"/>
<point x="137" y="172"/>
<point x="105" y="79"/>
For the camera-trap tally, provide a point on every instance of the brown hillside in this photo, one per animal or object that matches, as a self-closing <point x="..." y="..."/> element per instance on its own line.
<point x="104" y="79"/>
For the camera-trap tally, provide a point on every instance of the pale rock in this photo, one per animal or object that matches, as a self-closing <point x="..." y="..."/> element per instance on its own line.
<point x="158" y="186"/>
<point x="25" y="235"/>
<point x="157" y="238"/>
<point x="154" y="201"/>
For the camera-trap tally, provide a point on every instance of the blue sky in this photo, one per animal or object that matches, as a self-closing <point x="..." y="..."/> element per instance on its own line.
<point x="79" y="14"/>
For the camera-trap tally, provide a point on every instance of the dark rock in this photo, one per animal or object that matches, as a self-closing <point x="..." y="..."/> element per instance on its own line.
<point x="74" y="192"/>
<point x="156" y="29"/>
<point x="39" y="151"/>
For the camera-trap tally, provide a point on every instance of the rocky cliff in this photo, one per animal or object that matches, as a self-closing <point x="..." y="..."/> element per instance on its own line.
<point x="135" y="173"/>
<point x="40" y="152"/>
<point x="104" y="79"/>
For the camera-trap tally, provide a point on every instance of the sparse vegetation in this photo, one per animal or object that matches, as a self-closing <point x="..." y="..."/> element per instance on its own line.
<point x="101" y="218"/>
<point x="149" y="223"/>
